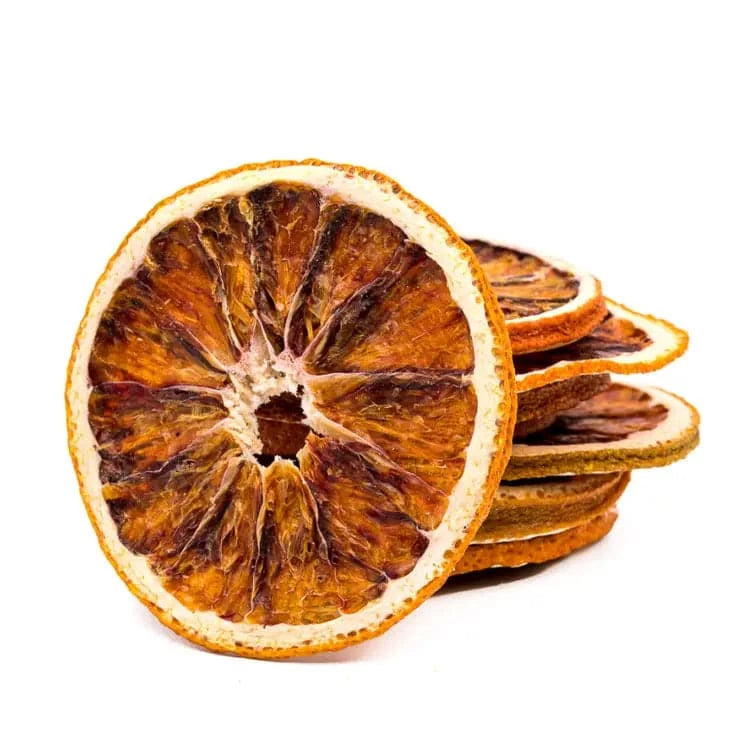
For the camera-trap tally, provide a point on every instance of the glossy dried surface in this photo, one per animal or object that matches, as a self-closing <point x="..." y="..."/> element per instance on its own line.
<point x="525" y="285"/>
<point x="199" y="369"/>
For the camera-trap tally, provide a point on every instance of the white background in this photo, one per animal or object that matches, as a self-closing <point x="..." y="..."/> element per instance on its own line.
<point x="597" y="135"/>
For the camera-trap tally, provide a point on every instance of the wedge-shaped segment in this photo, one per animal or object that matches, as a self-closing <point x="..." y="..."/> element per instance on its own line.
<point x="302" y="309"/>
<point x="625" y="342"/>
<point x="539" y="549"/>
<point x="624" y="427"/>
<point x="284" y="219"/>
<point x="225" y="233"/>
<point x="547" y="302"/>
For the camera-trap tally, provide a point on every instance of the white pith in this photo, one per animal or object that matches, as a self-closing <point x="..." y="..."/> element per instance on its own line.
<point x="467" y="495"/>
<point x="680" y="417"/>
<point x="666" y="341"/>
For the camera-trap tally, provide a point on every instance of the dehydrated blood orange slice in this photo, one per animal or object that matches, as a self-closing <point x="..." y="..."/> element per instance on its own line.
<point x="546" y="302"/>
<point x="538" y="549"/>
<point x="318" y="296"/>
<point x="624" y="342"/>
<point x="624" y="427"/>
<point x="527" y="508"/>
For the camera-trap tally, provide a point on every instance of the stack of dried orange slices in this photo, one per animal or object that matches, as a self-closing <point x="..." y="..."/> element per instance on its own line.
<point x="292" y="398"/>
<point x="307" y="295"/>
<point x="578" y="433"/>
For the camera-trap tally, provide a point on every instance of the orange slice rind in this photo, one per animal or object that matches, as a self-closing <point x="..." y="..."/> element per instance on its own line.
<point x="538" y="549"/>
<point x="257" y="284"/>
<point x="624" y="427"/>
<point x="546" y="302"/>
<point x="625" y="342"/>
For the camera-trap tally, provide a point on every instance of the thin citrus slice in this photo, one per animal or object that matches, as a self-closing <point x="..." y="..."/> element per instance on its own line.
<point x="624" y="342"/>
<point x="624" y="427"/>
<point x="546" y="302"/>
<point x="302" y="309"/>
<point x="538" y="549"/>
<point x="532" y="507"/>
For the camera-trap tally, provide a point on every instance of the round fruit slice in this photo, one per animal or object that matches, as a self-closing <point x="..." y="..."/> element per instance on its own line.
<point x="321" y="290"/>
<point x="539" y="549"/>
<point x="546" y="302"/>
<point x="624" y="427"/>
<point x="527" y="508"/>
<point x="625" y="342"/>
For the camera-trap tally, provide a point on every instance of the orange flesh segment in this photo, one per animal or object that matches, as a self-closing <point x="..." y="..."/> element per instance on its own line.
<point x="284" y="219"/>
<point x="225" y="235"/>
<point x="283" y="543"/>
<point x="137" y="342"/>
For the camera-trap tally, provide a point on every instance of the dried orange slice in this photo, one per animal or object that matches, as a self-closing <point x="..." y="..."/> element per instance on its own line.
<point x="551" y="399"/>
<point x="284" y="287"/>
<point x="547" y="303"/>
<point x="624" y="342"/>
<point x="624" y="427"/>
<point x="538" y="549"/>
<point x="527" y="508"/>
